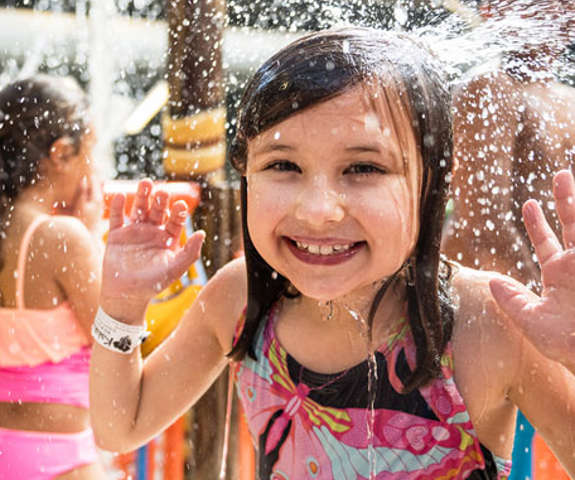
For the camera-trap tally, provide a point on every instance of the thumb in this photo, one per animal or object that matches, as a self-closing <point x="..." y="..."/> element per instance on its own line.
<point x="514" y="299"/>
<point x="188" y="254"/>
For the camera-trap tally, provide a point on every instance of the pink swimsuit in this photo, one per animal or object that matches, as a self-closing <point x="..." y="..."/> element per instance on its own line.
<point x="44" y="358"/>
<point x="309" y="425"/>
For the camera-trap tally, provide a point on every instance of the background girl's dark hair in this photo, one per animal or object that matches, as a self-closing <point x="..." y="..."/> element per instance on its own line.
<point x="314" y="69"/>
<point x="34" y="113"/>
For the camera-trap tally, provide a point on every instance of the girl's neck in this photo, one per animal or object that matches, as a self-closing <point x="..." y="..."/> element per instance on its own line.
<point x="37" y="198"/>
<point x="352" y="311"/>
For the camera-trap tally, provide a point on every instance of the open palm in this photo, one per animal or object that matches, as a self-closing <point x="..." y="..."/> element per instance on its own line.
<point x="548" y="321"/>
<point x="143" y="257"/>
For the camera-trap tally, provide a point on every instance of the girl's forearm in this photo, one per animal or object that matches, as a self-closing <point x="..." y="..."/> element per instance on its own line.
<point x="115" y="387"/>
<point x="130" y="311"/>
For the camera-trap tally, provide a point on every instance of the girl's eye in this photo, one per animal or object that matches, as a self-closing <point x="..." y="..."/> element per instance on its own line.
<point x="283" y="166"/>
<point x="364" y="169"/>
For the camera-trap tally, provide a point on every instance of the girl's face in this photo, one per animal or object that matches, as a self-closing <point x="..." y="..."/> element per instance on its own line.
<point x="331" y="204"/>
<point x="77" y="170"/>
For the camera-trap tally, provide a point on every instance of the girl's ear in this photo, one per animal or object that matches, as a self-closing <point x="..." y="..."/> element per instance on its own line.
<point x="60" y="151"/>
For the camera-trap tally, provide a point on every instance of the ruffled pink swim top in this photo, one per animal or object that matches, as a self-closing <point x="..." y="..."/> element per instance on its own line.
<point x="44" y="354"/>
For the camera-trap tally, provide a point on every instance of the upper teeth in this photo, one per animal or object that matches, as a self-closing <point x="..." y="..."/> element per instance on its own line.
<point x="323" y="249"/>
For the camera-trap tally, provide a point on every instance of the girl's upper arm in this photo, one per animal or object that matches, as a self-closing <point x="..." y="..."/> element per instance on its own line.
<point x="77" y="258"/>
<point x="507" y="368"/>
<point x="542" y="389"/>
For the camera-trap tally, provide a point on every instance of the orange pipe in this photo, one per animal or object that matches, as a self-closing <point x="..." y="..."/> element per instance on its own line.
<point x="174" y="451"/>
<point x="545" y="465"/>
<point x="124" y="462"/>
<point x="151" y="460"/>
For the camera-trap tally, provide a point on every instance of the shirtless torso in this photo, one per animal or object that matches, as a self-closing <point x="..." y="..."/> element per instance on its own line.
<point x="510" y="136"/>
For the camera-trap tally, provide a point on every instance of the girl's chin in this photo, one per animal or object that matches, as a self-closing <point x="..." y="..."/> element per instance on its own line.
<point x="319" y="294"/>
<point x="326" y="293"/>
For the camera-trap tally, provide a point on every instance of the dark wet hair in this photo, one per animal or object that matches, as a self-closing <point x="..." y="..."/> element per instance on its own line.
<point x="315" y="69"/>
<point x="34" y="113"/>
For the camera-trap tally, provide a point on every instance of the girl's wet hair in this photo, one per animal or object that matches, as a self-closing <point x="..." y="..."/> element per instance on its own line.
<point x="315" y="69"/>
<point x="34" y="113"/>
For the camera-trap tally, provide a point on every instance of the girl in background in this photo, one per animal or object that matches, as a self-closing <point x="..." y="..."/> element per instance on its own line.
<point x="360" y="352"/>
<point x="49" y="280"/>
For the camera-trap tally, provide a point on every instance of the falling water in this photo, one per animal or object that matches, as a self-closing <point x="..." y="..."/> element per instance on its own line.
<point x="372" y="377"/>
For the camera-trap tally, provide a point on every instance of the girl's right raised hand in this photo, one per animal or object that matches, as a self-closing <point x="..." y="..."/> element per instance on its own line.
<point x="547" y="321"/>
<point x="143" y="257"/>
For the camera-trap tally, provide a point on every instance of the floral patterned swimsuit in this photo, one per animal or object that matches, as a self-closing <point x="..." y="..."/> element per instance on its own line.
<point x="308" y="425"/>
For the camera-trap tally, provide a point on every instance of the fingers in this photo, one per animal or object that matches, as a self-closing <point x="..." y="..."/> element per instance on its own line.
<point x="542" y="237"/>
<point x="564" y="193"/>
<point x="515" y="301"/>
<point x="159" y="209"/>
<point x="141" y="201"/>
<point x="178" y="216"/>
<point x="117" y="211"/>
<point x="187" y="255"/>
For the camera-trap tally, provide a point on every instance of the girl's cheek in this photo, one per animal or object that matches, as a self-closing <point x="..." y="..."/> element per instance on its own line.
<point x="268" y="195"/>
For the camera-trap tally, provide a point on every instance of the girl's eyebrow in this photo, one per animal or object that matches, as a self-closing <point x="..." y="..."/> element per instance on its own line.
<point x="363" y="148"/>
<point x="374" y="148"/>
<point x="273" y="147"/>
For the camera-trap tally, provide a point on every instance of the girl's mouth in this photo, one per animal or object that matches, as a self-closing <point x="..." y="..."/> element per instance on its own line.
<point x="323" y="254"/>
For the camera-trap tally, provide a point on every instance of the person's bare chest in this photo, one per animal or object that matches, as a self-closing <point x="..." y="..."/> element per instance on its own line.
<point x="545" y="142"/>
<point x="321" y="348"/>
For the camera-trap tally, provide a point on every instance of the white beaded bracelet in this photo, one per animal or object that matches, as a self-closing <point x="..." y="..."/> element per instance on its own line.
<point x="117" y="336"/>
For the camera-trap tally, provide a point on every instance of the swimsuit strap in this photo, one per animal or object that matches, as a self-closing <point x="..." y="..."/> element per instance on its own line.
<point x="23" y="257"/>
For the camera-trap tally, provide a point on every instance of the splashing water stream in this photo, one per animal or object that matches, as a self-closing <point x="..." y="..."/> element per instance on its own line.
<point x="372" y="377"/>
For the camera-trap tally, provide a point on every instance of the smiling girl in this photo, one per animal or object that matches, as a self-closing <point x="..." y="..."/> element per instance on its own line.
<point x="359" y="352"/>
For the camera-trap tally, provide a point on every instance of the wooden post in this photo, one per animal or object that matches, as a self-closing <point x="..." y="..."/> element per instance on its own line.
<point x="194" y="139"/>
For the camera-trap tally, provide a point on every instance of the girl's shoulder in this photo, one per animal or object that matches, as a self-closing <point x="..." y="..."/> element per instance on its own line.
<point x="68" y="241"/>
<point x="483" y="337"/>
<point x="62" y="231"/>
<point x="475" y="306"/>
<point x="224" y="298"/>
<point x="469" y="283"/>
<point x="230" y="278"/>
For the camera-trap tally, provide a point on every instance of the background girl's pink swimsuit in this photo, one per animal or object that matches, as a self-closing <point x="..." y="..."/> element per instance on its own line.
<point x="44" y="358"/>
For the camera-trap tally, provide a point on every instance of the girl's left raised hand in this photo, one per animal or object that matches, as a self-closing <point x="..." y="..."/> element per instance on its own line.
<point x="547" y="321"/>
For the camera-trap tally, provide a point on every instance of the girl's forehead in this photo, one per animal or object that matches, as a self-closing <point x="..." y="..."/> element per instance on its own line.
<point x="353" y="113"/>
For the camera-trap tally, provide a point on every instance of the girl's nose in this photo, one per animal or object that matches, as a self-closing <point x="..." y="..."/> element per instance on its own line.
<point x="319" y="203"/>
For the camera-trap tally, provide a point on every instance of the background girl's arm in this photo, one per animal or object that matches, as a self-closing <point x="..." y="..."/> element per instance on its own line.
<point x="76" y="257"/>
<point x="77" y="249"/>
